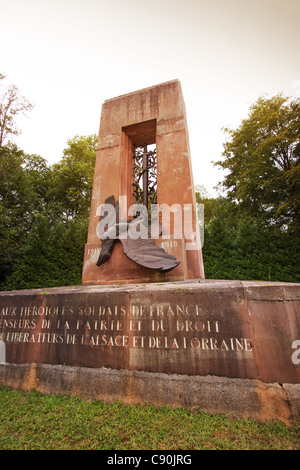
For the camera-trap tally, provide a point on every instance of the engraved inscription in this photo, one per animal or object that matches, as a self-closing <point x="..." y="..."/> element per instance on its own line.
<point x="153" y="326"/>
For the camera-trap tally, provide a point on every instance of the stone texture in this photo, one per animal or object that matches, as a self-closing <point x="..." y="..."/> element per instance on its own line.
<point x="238" y="397"/>
<point x="220" y="328"/>
<point x="164" y="344"/>
<point x="293" y="397"/>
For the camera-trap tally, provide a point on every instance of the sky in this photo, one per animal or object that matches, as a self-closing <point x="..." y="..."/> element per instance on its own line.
<point x="68" y="56"/>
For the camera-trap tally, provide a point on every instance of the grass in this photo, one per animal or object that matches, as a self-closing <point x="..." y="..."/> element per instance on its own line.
<point x="35" y="421"/>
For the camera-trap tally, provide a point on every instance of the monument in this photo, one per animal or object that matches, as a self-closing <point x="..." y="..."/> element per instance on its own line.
<point x="146" y="326"/>
<point x="130" y="126"/>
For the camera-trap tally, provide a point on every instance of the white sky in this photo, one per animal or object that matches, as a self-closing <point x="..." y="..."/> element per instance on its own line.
<point x="68" y="56"/>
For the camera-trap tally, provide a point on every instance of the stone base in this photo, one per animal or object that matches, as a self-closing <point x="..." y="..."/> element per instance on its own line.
<point x="241" y="398"/>
<point x="159" y="343"/>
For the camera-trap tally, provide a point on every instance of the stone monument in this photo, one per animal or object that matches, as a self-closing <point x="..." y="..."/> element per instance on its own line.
<point x="145" y="326"/>
<point x="152" y="116"/>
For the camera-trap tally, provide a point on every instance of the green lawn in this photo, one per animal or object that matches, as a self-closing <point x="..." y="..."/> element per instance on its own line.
<point x="33" y="420"/>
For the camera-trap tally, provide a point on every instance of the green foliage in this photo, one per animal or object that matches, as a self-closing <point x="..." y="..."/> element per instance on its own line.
<point x="52" y="255"/>
<point x="253" y="232"/>
<point x="44" y="215"/>
<point x="73" y="177"/>
<point x="237" y="246"/>
<point x="37" y="421"/>
<point x="262" y="161"/>
<point x="22" y="192"/>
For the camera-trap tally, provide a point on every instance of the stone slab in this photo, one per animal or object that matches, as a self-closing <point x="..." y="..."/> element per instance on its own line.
<point x="241" y="398"/>
<point x="227" y="329"/>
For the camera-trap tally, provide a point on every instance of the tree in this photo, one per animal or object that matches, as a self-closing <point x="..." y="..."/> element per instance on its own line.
<point x="44" y="215"/>
<point x="12" y="103"/>
<point x="73" y="176"/>
<point x="52" y="255"/>
<point x="238" y="246"/>
<point x="262" y="161"/>
<point x="22" y="197"/>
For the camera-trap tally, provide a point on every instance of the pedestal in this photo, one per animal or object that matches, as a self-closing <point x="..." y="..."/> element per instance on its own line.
<point x="120" y="337"/>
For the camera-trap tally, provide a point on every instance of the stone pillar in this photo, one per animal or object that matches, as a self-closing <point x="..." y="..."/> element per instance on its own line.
<point x="152" y="115"/>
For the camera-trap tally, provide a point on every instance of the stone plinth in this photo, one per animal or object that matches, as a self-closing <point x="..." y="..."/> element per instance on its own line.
<point x="117" y="339"/>
<point x="224" y="328"/>
<point x="151" y="115"/>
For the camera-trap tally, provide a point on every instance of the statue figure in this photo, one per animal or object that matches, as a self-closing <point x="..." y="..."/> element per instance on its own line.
<point x="141" y="250"/>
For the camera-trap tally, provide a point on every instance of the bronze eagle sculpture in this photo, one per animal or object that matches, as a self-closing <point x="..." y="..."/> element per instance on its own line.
<point x="141" y="249"/>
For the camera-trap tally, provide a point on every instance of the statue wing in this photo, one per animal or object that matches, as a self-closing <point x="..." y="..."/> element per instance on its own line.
<point x="147" y="254"/>
<point x="112" y="217"/>
<point x="108" y="242"/>
<point x="142" y="251"/>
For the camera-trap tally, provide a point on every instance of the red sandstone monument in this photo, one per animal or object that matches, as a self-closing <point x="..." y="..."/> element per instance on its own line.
<point x="126" y="334"/>
<point x="154" y="115"/>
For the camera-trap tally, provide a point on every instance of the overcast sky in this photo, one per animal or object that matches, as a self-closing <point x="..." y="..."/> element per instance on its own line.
<point x="68" y="56"/>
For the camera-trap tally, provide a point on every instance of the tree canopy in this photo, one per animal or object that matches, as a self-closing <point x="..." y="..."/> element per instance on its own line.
<point x="73" y="176"/>
<point x="242" y="247"/>
<point x="44" y="215"/>
<point x="12" y="103"/>
<point x="261" y="161"/>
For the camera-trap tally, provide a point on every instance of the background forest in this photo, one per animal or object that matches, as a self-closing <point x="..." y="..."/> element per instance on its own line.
<point x="251" y="231"/>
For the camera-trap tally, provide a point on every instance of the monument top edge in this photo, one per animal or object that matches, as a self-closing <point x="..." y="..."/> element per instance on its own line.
<point x="273" y="290"/>
<point x="176" y="80"/>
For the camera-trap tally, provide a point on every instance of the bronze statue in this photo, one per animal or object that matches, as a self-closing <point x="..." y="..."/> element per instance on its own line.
<point x="141" y="250"/>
